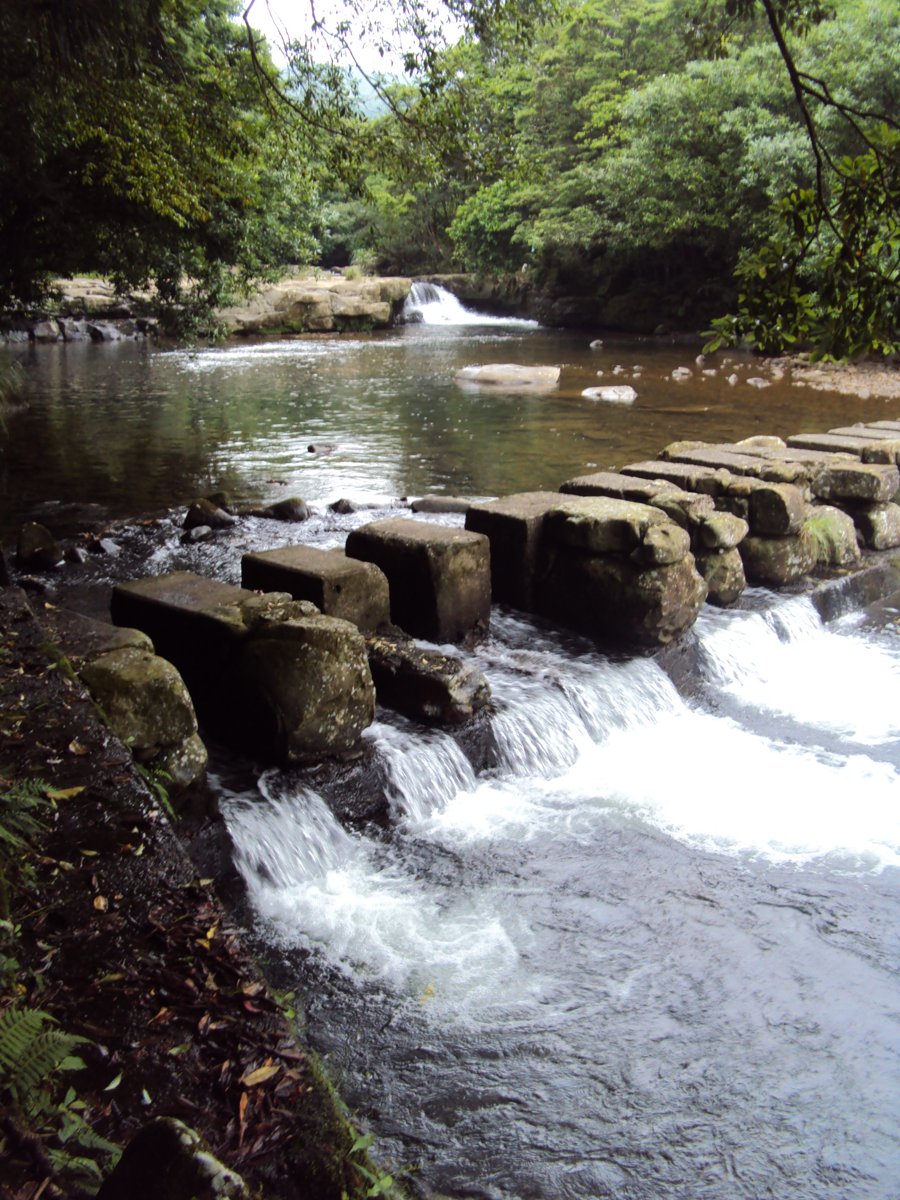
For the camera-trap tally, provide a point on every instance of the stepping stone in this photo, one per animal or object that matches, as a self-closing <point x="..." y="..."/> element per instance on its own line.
<point x="270" y="672"/>
<point x="339" y="586"/>
<point x="513" y="526"/>
<point x="738" y="464"/>
<point x="439" y="577"/>
<point x="869" y="482"/>
<point x="875" y="450"/>
<point x="691" y="477"/>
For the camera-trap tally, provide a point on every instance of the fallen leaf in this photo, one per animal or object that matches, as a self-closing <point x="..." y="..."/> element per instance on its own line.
<point x="62" y="793"/>
<point x="260" y="1075"/>
<point x="101" y="903"/>
<point x="113" y="1084"/>
<point x="75" y="747"/>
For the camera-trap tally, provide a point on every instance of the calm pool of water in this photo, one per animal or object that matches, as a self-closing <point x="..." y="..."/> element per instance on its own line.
<point x="138" y="428"/>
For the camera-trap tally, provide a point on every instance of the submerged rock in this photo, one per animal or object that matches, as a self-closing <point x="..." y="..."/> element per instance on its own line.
<point x="425" y="684"/>
<point x="508" y="375"/>
<point x="622" y="394"/>
<point x="37" y="549"/>
<point x="204" y="513"/>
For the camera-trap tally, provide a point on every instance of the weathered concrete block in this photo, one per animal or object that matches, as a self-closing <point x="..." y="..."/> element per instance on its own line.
<point x="775" y="510"/>
<point x="602" y="525"/>
<point x="829" y="441"/>
<point x="269" y="671"/>
<point x="617" y="600"/>
<point x="312" y="686"/>
<point x="710" y="481"/>
<point x="513" y="525"/>
<point x="778" y="560"/>
<point x="721" y="531"/>
<point x="619" y="486"/>
<point x="339" y="586"/>
<point x="881" y="445"/>
<point x="834" y="536"/>
<point x="723" y="457"/>
<point x="426" y="685"/>
<point x="871" y="483"/>
<point x="440" y="578"/>
<point x="879" y="525"/>
<point x="687" y="509"/>
<point x="723" y="573"/>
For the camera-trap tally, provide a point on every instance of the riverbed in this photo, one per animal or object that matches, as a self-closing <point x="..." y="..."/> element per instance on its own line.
<point x="650" y="953"/>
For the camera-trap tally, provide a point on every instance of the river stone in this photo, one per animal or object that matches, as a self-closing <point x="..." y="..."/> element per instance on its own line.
<point x="775" y="510"/>
<point x="615" y="394"/>
<point x="37" y="549"/>
<point x="874" y="484"/>
<point x="293" y="508"/>
<point x="426" y="685"/>
<point x="619" y="601"/>
<point x="441" y="504"/>
<point x="166" y="1160"/>
<point x="339" y="586"/>
<point x="601" y="524"/>
<point x="313" y="685"/>
<point x="721" y="531"/>
<point x="513" y="525"/>
<point x="687" y="509"/>
<point x="663" y="544"/>
<point x="879" y="525"/>
<point x="509" y="375"/>
<point x="778" y="560"/>
<point x="834" y="535"/>
<point x="203" y="512"/>
<point x="761" y="441"/>
<point x="184" y="764"/>
<point x="439" y="578"/>
<point x="143" y="697"/>
<point x="723" y="573"/>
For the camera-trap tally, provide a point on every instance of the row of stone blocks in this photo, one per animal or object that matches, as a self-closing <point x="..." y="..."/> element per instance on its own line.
<point x="628" y="557"/>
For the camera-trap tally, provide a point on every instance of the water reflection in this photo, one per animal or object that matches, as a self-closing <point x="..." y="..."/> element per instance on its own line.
<point x="138" y="428"/>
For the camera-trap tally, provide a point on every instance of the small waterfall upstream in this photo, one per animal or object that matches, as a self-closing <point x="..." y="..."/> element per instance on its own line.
<point x="648" y="954"/>
<point x="428" y="304"/>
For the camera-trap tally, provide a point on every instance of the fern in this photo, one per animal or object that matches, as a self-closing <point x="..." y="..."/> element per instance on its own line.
<point x="30" y="1053"/>
<point x="23" y="809"/>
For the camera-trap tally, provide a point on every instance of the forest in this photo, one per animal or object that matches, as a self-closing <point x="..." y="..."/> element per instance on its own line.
<point x="729" y="166"/>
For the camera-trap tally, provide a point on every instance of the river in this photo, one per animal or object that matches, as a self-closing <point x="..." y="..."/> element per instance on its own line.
<point x="651" y="953"/>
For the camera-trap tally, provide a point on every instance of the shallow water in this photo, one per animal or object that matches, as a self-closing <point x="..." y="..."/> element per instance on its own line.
<point x="138" y="428"/>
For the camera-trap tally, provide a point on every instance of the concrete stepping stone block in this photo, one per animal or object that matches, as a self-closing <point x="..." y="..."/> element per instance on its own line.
<point x="439" y="577"/>
<point x="269" y="671"/>
<point x="869" y="482"/>
<point x="709" y="481"/>
<point x="513" y="525"/>
<point x="339" y="586"/>
<point x="736" y="463"/>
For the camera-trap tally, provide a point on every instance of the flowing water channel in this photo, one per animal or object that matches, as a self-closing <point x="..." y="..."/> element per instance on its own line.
<point x="652" y="952"/>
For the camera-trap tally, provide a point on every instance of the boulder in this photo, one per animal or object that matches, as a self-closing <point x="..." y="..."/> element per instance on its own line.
<point x="870" y="483"/>
<point x="778" y="560"/>
<point x="37" y="549"/>
<point x="293" y="508"/>
<point x="622" y="394"/>
<point x="166" y="1160"/>
<point x="426" y="685"/>
<point x="46" y="331"/>
<point x="723" y="573"/>
<point x="204" y="513"/>
<point x="439" y="578"/>
<point x="339" y="586"/>
<point x="663" y="544"/>
<point x="513" y="526"/>
<point x="834" y="535"/>
<point x="878" y="525"/>
<point x="509" y="376"/>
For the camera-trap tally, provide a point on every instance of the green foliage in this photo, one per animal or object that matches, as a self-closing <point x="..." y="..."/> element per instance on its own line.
<point x="32" y="1055"/>
<point x="828" y="277"/>
<point x="24" y="809"/>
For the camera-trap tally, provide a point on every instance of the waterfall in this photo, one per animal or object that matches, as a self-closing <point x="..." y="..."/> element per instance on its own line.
<point x="428" y="304"/>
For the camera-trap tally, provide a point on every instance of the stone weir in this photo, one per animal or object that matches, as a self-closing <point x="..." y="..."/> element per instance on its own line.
<point x="628" y="557"/>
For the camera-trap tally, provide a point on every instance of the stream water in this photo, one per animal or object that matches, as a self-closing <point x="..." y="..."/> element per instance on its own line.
<point x="652" y="953"/>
